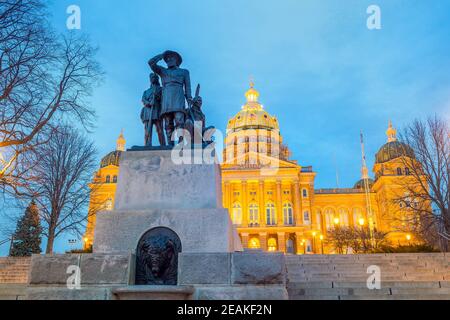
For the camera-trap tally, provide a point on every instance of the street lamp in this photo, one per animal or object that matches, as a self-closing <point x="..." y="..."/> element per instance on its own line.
<point x="336" y="223"/>
<point x="314" y="241"/>
<point x="321" y="242"/>
<point x="361" y="222"/>
<point x="304" y="246"/>
<point x="408" y="237"/>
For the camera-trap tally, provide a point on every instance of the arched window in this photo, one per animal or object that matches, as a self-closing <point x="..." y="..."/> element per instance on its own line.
<point x="305" y="193"/>
<point x="358" y="217"/>
<point x="108" y="179"/>
<point x="236" y="214"/>
<point x="319" y="219"/>
<point x="343" y="217"/>
<point x="254" y="243"/>
<point x="329" y="216"/>
<point x="288" y="215"/>
<point x="306" y="217"/>
<point x="399" y="171"/>
<point x="115" y="179"/>
<point x="271" y="216"/>
<point x="253" y="214"/>
<point x="407" y="172"/>
<point x="272" y="244"/>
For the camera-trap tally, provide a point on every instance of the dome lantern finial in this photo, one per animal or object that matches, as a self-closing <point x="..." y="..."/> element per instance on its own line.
<point x="120" y="143"/>
<point x="252" y="94"/>
<point x="391" y="133"/>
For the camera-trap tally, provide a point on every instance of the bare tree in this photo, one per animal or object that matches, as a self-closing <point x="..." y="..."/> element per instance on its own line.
<point x="426" y="196"/>
<point x="359" y="239"/>
<point x="62" y="191"/>
<point x="44" y="78"/>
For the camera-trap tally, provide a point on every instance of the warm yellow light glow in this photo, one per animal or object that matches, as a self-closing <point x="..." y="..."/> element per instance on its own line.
<point x="272" y="245"/>
<point x="408" y="237"/>
<point x="336" y="221"/>
<point x="321" y="237"/>
<point x="314" y="233"/>
<point x="86" y="239"/>
<point x="361" y="222"/>
<point x="254" y="243"/>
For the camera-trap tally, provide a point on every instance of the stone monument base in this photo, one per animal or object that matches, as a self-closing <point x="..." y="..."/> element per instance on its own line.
<point x="200" y="230"/>
<point x="202" y="276"/>
<point x="168" y="226"/>
<point x="154" y="190"/>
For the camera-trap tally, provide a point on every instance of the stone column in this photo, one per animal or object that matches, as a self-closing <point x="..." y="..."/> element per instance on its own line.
<point x="297" y="204"/>
<point x="244" y="204"/>
<point x="279" y="205"/>
<point x="262" y="209"/>
<point x="263" y="240"/>
<point x="244" y="237"/>
<point x="281" y="241"/>
<point x="298" y="242"/>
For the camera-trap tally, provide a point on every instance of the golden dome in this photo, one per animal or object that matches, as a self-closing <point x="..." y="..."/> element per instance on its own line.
<point x="393" y="149"/>
<point x="252" y="115"/>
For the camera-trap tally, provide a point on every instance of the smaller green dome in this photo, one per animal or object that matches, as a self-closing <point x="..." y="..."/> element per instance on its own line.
<point x="360" y="184"/>
<point x="393" y="150"/>
<point x="111" y="159"/>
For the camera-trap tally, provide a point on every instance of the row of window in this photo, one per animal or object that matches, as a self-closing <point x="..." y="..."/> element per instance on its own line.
<point x="406" y="171"/>
<point x="270" y="193"/>
<point x="272" y="245"/>
<point x="249" y="139"/>
<point x="342" y="217"/>
<point x="271" y="218"/>
<point x="108" y="179"/>
<point x="329" y="217"/>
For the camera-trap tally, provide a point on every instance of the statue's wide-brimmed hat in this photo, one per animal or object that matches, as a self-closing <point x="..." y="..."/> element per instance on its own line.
<point x="175" y="54"/>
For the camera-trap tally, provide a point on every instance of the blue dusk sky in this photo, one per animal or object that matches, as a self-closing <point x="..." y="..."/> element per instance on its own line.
<point x="318" y="68"/>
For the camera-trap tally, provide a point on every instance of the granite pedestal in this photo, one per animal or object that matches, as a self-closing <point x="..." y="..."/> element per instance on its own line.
<point x="153" y="191"/>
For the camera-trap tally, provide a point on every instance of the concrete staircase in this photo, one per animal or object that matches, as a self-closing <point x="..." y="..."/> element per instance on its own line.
<point x="344" y="277"/>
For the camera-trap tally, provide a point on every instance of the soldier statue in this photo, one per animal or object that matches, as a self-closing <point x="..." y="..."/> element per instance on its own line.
<point x="175" y="92"/>
<point x="196" y="121"/>
<point x="151" y="112"/>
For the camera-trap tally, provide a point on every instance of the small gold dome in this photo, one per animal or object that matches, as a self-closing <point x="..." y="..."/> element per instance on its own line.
<point x="252" y="115"/>
<point x="391" y="133"/>
<point x="393" y="149"/>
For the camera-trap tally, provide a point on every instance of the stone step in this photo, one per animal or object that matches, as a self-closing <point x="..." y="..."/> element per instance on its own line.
<point x="351" y="274"/>
<point x="363" y="284"/>
<point x="313" y="297"/>
<point x="338" y="292"/>
<point x="309" y="284"/>
<point x="420" y="291"/>
<point x="397" y="297"/>
<point x="12" y="290"/>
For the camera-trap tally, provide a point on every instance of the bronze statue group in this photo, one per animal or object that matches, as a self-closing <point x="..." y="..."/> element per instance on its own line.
<point x="165" y="106"/>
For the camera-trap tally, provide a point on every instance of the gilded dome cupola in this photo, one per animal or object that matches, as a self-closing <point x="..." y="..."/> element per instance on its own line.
<point x="113" y="158"/>
<point x="252" y="115"/>
<point x="393" y="148"/>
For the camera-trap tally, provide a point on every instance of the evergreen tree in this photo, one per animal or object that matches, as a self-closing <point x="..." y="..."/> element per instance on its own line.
<point x="27" y="238"/>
